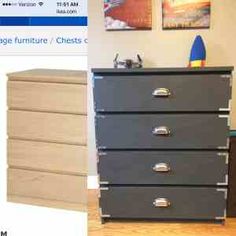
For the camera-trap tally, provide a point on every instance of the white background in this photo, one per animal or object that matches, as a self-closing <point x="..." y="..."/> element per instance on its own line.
<point x="47" y="9"/>
<point x="25" y="220"/>
<point x="51" y="33"/>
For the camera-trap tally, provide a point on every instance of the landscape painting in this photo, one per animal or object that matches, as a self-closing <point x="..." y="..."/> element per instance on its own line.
<point x="128" y="14"/>
<point x="186" y="14"/>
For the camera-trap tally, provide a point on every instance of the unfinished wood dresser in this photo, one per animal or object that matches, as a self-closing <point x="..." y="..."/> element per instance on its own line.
<point x="47" y="162"/>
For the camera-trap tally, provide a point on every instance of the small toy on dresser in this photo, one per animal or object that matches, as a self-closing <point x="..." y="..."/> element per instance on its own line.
<point x="128" y="63"/>
<point x="198" y="53"/>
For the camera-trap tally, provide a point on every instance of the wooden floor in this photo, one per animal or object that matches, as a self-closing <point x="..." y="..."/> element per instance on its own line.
<point x="95" y="228"/>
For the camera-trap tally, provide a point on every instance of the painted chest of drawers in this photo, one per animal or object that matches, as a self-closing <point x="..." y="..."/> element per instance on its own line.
<point x="162" y="137"/>
<point x="47" y="154"/>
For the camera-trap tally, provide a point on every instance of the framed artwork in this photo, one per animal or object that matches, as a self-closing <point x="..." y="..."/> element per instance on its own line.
<point x="128" y="14"/>
<point x="186" y="14"/>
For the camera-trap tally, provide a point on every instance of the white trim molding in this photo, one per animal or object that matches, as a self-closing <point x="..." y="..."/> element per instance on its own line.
<point x="92" y="182"/>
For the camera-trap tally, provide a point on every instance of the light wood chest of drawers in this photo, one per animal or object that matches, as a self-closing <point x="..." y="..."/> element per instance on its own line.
<point x="47" y="153"/>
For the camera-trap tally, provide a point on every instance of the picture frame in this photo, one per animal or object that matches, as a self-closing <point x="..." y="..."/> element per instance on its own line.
<point x="186" y="14"/>
<point x="128" y="14"/>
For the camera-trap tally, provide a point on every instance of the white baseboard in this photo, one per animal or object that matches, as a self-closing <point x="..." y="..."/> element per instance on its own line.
<point x="92" y="182"/>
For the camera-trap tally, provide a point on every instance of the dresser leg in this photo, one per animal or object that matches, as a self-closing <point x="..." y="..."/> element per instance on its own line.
<point x="220" y="222"/>
<point x="102" y="221"/>
<point x="223" y="222"/>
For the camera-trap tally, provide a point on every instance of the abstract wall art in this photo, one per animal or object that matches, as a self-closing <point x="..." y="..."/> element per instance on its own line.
<point x="186" y="14"/>
<point x="128" y="14"/>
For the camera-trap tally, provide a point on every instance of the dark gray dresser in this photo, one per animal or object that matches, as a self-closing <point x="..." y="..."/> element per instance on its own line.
<point x="163" y="137"/>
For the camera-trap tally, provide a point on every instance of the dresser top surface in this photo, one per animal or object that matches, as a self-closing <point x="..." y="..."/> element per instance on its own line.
<point x="50" y="75"/>
<point x="166" y="70"/>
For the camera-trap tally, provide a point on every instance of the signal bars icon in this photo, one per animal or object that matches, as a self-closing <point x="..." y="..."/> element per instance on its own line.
<point x="6" y="4"/>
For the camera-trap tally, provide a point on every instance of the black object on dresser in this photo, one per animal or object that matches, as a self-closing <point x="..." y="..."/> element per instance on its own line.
<point x="163" y="137"/>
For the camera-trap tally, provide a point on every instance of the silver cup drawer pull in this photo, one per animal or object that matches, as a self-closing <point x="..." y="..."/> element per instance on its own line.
<point x="161" y="167"/>
<point x="162" y="130"/>
<point x="161" y="202"/>
<point x="161" y="92"/>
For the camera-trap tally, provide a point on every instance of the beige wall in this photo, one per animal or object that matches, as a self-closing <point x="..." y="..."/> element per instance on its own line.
<point x="160" y="48"/>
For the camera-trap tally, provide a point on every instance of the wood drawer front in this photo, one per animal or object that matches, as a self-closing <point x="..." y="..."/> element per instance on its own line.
<point x="55" y="97"/>
<point x="45" y="185"/>
<point x="203" y="92"/>
<point x="185" y="202"/>
<point x="53" y="157"/>
<point x="163" y="168"/>
<point x="187" y="131"/>
<point x="51" y="127"/>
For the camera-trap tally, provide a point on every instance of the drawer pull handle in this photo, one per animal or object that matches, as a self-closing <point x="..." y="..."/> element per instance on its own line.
<point x="162" y="130"/>
<point x="161" y="167"/>
<point x="161" y="202"/>
<point x="161" y="92"/>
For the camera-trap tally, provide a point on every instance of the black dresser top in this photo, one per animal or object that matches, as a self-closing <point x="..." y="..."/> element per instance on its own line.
<point x="178" y="70"/>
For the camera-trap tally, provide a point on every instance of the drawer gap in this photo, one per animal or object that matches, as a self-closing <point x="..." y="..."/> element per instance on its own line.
<point x="45" y="111"/>
<point x="98" y="111"/>
<point x="174" y="150"/>
<point x="165" y="185"/>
